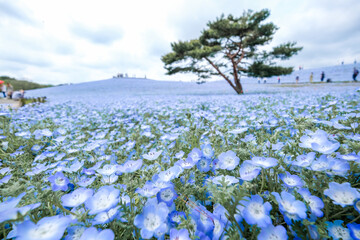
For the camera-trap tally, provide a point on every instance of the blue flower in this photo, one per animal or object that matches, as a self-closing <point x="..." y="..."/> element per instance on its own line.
<point x="48" y="228"/>
<point x="325" y="147"/>
<point x="264" y="162"/>
<point x="207" y="151"/>
<point x="152" y="155"/>
<point x="228" y="180"/>
<point x="337" y="231"/>
<point x="171" y="173"/>
<point x="228" y="160"/>
<point x="107" y="216"/>
<point x="291" y="180"/>
<point x="271" y="232"/>
<point x="167" y="195"/>
<point x="256" y="211"/>
<point x="315" y="203"/>
<point x="108" y="169"/>
<point x="342" y="194"/>
<point x="304" y="160"/>
<point x="175" y="217"/>
<point x="354" y="230"/>
<point x="59" y="182"/>
<point x="105" y="198"/>
<point x="93" y="234"/>
<point x="186" y="163"/>
<point x="148" y="190"/>
<point x="357" y="205"/>
<point x="181" y="234"/>
<point x="84" y="181"/>
<point x="130" y="166"/>
<point x="204" y="164"/>
<point x="249" y="171"/>
<point x="8" y="208"/>
<point x="291" y="208"/>
<point x="152" y="219"/>
<point x="77" y="197"/>
<point x="318" y="137"/>
<point x="195" y="154"/>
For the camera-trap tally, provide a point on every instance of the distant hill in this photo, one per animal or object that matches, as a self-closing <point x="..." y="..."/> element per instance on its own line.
<point x="22" y="84"/>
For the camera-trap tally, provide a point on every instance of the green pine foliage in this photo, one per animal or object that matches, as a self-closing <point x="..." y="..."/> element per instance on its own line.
<point x="231" y="47"/>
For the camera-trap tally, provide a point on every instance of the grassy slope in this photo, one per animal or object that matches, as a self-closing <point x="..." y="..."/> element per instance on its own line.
<point x="22" y="84"/>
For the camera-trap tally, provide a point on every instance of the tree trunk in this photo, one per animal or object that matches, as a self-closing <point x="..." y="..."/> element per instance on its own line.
<point x="239" y="89"/>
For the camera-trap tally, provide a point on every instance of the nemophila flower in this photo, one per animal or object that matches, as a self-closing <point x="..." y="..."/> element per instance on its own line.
<point x="85" y="181"/>
<point x="338" y="167"/>
<point x="35" y="148"/>
<point x="291" y="180"/>
<point x="175" y="217"/>
<point x="238" y="130"/>
<point x="148" y="190"/>
<point x="5" y="170"/>
<point x="207" y="151"/>
<point x="203" y="218"/>
<point x="152" y="155"/>
<point x="354" y="230"/>
<point x="278" y="146"/>
<point x="325" y="147"/>
<point x="203" y="164"/>
<point x="152" y="219"/>
<point x="304" y="160"/>
<point x="350" y="157"/>
<point x="291" y="208"/>
<point x="228" y="180"/>
<point x="271" y="233"/>
<point x="249" y="171"/>
<point x="195" y="154"/>
<point x="256" y="211"/>
<point x="88" y="171"/>
<point x="171" y="173"/>
<point x="130" y="166"/>
<point x="5" y="179"/>
<point x="107" y="216"/>
<point x="77" y="197"/>
<point x="228" y="160"/>
<point x="59" y="182"/>
<point x="167" y="195"/>
<point x="182" y="234"/>
<point x="74" y="232"/>
<point x="318" y="137"/>
<point x="48" y="228"/>
<point x="109" y="179"/>
<point x="105" y="198"/>
<point x="179" y="154"/>
<point x="264" y="162"/>
<point x="93" y="234"/>
<point x="8" y="208"/>
<point x="315" y="203"/>
<point x="23" y="210"/>
<point x="107" y="169"/>
<point x="186" y="163"/>
<point x="357" y="205"/>
<point x="342" y="194"/>
<point x="337" y="231"/>
<point x="321" y="164"/>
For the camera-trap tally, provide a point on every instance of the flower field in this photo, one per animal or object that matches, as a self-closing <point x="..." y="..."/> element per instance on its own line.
<point x="259" y="166"/>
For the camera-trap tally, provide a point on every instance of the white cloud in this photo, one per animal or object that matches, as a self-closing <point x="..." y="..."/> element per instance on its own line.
<point x="75" y="41"/>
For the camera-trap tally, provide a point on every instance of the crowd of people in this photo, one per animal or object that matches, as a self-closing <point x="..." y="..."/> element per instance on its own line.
<point x="311" y="77"/>
<point x="8" y="91"/>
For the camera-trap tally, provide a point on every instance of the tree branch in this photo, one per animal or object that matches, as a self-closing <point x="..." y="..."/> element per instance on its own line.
<point x="218" y="70"/>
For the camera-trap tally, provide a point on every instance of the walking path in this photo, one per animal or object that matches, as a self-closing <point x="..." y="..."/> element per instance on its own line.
<point x="9" y="103"/>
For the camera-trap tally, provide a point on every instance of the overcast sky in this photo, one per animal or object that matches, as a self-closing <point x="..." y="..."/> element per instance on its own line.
<point x="63" y="41"/>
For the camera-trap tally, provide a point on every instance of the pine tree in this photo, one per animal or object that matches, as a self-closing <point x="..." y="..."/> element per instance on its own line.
<point x="232" y="47"/>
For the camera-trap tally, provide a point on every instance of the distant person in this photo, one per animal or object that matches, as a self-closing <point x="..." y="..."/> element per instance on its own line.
<point x="297" y="79"/>
<point x="311" y="77"/>
<point x="322" y="76"/>
<point x="265" y="80"/>
<point x="18" y="94"/>
<point x="258" y="80"/>
<point x="342" y="63"/>
<point x="9" y="90"/>
<point x="3" y="89"/>
<point x="356" y="72"/>
<point x="328" y="80"/>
